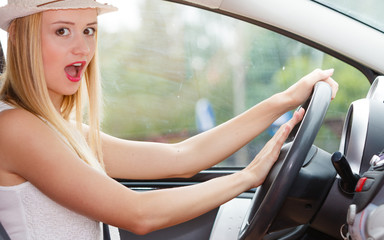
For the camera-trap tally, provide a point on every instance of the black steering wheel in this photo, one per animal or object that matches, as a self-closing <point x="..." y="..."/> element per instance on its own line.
<point x="271" y="195"/>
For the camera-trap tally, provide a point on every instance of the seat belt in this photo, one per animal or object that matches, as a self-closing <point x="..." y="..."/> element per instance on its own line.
<point x="3" y="233"/>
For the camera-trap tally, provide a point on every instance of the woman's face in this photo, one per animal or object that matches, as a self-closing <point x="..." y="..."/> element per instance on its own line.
<point x="68" y="45"/>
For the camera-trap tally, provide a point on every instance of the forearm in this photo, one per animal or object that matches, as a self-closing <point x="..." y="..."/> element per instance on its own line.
<point x="144" y="160"/>
<point x="164" y="208"/>
<point x="209" y="148"/>
<point x="178" y="205"/>
<point x="126" y="159"/>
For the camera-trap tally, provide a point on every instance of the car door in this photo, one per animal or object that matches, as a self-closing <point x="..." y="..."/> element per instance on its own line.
<point x="172" y="71"/>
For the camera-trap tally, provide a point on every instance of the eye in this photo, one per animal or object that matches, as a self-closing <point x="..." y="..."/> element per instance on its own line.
<point x="62" y="32"/>
<point x="90" y="31"/>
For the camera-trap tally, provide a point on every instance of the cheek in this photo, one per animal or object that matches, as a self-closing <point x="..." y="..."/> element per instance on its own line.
<point x="92" y="47"/>
<point x="51" y="54"/>
<point x="48" y="53"/>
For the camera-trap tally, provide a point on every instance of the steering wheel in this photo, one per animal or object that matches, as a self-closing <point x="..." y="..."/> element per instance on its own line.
<point x="271" y="195"/>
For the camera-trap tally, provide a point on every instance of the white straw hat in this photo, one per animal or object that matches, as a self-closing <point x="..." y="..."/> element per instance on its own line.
<point x="21" y="8"/>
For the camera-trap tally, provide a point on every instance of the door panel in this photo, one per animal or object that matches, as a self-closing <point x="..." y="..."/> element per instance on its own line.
<point x="219" y="224"/>
<point x="198" y="228"/>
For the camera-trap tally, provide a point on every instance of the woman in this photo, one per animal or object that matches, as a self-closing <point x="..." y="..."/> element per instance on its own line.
<point x="56" y="175"/>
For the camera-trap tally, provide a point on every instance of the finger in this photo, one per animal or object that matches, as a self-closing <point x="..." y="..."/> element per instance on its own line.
<point x="270" y="152"/>
<point x="319" y="75"/>
<point x="334" y="85"/>
<point x="325" y="75"/>
<point x="283" y="132"/>
<point x="296" y="118"/>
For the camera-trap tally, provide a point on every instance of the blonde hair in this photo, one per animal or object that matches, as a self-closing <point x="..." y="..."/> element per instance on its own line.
<point x="24" y="86"/>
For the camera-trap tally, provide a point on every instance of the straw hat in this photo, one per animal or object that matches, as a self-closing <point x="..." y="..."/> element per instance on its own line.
<point x="21" y="8"/>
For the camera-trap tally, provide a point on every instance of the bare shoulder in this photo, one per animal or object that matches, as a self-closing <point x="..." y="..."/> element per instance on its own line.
<point x="17" y="126"/>
<point x="16" y="118"/>
<point x="32" y="150"/>
<point x="26" y="139"/>
<point x="18" y="129"/>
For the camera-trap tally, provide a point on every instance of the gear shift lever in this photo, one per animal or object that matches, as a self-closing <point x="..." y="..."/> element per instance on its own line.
<point x="348" y="178"/>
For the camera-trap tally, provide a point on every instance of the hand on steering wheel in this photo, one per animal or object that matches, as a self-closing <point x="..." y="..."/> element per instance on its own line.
<point x="271" y="195"/>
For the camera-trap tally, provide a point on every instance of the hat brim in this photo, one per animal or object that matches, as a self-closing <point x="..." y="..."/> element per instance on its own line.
<point x="10" y="12"/>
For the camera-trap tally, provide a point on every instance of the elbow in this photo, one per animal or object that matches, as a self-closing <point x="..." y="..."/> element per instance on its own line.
<point x="183" y="165"/>
<point x="141" y="230"/>
<point x="188" y="174"/>
<point x="141" y="226"/>
<point x="144" y="222"/>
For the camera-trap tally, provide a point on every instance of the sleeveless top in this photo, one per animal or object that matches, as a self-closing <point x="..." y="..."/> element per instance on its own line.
<point x="27" y="214"/>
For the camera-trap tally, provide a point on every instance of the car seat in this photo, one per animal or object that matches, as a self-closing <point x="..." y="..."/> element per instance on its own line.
<point x="2" y="59"/>
<point x="3" y="233"/>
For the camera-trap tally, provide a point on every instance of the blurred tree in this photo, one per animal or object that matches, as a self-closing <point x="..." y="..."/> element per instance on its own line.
<point x="154" y="75"/>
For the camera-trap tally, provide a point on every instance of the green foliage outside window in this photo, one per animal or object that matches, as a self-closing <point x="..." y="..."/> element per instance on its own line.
<point x="154" y="75"/>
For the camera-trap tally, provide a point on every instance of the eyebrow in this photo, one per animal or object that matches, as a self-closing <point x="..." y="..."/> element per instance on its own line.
<point x="72" y="23"/>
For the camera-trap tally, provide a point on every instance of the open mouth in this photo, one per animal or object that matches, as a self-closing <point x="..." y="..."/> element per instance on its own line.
<point x="74" y="71"/>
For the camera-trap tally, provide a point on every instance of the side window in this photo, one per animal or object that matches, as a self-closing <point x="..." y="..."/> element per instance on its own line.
<point x="172" y="71"/>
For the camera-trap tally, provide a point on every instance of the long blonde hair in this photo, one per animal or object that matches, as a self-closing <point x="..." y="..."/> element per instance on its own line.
<point x="24" y="86"/>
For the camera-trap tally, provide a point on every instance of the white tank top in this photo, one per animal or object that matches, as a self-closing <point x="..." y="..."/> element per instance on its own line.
<point x="27" y="214"/>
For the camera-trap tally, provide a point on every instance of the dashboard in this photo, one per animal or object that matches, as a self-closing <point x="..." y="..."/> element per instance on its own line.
<point x="362" y="144"/>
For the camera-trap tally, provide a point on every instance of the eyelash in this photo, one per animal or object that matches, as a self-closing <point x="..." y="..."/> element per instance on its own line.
<point x="93" y="31"/>
<point x="60" y="32"/>
<point x="66" y="31"/>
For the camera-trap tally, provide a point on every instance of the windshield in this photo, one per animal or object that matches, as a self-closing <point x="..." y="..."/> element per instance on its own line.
<point x="368" y="12"/>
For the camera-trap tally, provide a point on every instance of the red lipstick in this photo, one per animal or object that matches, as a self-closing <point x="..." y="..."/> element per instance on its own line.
<point x="74" y="71"/>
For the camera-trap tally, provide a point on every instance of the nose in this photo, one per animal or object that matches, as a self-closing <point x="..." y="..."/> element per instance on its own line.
<point x="82" y="45"/>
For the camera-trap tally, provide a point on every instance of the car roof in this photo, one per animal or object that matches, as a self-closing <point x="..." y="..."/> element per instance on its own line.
<point x="312" y="23"/>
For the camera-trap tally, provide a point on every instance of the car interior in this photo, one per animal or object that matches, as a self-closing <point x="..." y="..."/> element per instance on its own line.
<point x="209" y="60"/>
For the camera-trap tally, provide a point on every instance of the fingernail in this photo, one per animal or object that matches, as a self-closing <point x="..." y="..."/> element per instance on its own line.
<point x="329" y="71"/>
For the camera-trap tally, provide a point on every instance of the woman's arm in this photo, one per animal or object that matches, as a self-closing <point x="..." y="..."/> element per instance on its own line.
<point x="142" y="160"/>
<point x="145" y="160"/>
<point x="32" y="150"/>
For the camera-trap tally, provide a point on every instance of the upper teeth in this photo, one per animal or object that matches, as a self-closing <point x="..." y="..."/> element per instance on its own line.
<point x="77" y="64"/>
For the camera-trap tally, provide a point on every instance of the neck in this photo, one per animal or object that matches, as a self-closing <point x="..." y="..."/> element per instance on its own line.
<point x="57" y="101"/>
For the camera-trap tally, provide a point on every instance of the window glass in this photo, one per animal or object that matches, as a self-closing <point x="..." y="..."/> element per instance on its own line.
<point x="172" y="71"/>
<point x="368" y="12"/>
